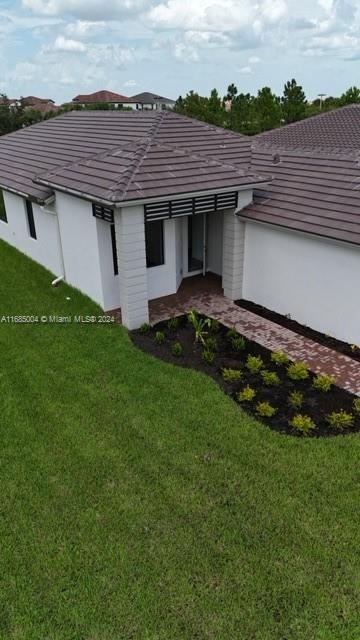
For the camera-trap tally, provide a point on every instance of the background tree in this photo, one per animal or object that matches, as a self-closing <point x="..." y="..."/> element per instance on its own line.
<point x="216" y="110"/>
<point x="231" y="92"/>
<point x="351" y="96"/>
<point x="241" y="117"/>
<point x="267" y="110"/>
<point x="293" y="102"/>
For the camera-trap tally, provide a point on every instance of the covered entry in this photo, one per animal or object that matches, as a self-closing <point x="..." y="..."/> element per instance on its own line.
<point x="203" y="244"/>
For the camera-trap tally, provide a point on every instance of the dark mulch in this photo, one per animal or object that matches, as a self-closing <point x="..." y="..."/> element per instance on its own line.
<point x="317" y="404"/>
<point x="353" y="351"/>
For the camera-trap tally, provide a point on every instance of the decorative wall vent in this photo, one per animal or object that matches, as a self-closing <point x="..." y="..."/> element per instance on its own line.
<point x="104" y="213"/>
<point x="191" y="206"/>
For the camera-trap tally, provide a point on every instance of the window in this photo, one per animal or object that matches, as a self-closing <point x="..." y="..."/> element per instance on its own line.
<point x="30" y="217"/>
<point x="154" y="237"/>
<point x="3" y="215"/>
<point x="114" y="249"/>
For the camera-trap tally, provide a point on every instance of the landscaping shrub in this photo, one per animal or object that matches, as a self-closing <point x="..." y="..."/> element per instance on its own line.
<point x="298" y="371"/>
<point x="211" y="343"/>
<point x="160" y="337"/>
<point x="296" y="399"/>
<point x="177" y="349"/>
<point x="302" y="423"/>
<point x="265" y="410"/>
<point x="238" y="343"/>
<point x="231" y="334"/>
<point x="340" y="420"/>
<point x="279" y="358"/>
<point x="356" y="405"/>
<point x="246" y="395"/>
<point x="270" y="378"/>
<point x="145" y="327"/>
<point x="208" y="355"/>
<point x="173" y="324"/>
<point x="254" y="364"/>
<point x="323" y="382"/>
<point x="214" y="325"/>
<point x="231" y="375"/>
<point x="200" y="325"/>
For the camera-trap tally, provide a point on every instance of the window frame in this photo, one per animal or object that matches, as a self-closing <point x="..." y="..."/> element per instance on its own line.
<point x="161" y="226"/>
<point x="114" y="249"/>
<point x="30" y="219"/>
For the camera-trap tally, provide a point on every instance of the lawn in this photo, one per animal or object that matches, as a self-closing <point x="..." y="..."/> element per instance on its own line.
<point x="138" y="501"/>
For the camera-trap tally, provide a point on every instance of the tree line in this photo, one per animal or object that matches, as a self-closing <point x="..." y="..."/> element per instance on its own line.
<point x="251" y="114"/>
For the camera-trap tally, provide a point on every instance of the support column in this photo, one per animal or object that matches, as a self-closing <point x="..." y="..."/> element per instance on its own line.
<point x="233" y="248"/>
<point x="131" y="252"/>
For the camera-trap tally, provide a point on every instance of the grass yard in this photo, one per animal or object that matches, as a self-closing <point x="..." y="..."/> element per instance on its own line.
<point x="137" y="501"/>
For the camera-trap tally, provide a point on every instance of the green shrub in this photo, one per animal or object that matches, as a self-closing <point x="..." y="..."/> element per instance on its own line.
<point x="356" y="405"/>
<point x="208" y="355"/>
<point x="298" y="371"/>
<point x="296" y="399"/>
<point x="231" y="375"/>
<point x="270" y="378"/>
<point x="254" y="364"/>
<point x="265" y="410"/>
<point x="231" y="334"/>
<point x="177" y="349"/>
<point x="173" y="324"/>
<point x="200" y="325"/>
<point x="160" y="337"/>
<point x="246" y="395"/>
<point x="214" y="325"/>
<point x="211" y="343"/>
<point x="340" y="420"/>
<point x="303" y="424"/>
<point x="145" y="327"/>
<point x="280" y="357"/>
<point x="323" y="382"/>
<point x="238" y="343"/>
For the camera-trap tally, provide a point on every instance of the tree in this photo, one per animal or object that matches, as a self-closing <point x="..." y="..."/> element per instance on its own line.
<point x="241" y="116"/>
<point x="267" y="110"/>
<point x="232" y="92"/>
<point x="293" y="102"/>
<point x="351" y="96"/>
<point x="216" y="111"/>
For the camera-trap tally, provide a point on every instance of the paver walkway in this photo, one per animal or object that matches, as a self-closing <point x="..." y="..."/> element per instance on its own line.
<point x="205" y="295"/>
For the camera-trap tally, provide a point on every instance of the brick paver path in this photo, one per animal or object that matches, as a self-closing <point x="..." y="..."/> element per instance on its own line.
<point x="206" y="296"/>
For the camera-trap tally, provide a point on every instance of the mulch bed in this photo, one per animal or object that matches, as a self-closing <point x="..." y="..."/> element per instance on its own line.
<point x="316" y="404"/>
<point x="353" y="351"/>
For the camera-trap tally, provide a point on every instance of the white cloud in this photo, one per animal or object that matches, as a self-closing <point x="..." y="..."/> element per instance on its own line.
<point x="131" y="83"/>
<point x="185" y="53"/>
<point x="105" y="54"/>
<point x="66" y="44"/>
<point x="84" y="28"/>
<point x="86" y="9"/>
<point x="207" y="39"/>
<point x="254" y="60"/>
<point x="245" y="70"/>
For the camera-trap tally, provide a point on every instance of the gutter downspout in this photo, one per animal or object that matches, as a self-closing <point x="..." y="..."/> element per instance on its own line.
<point x="61" y="253"/>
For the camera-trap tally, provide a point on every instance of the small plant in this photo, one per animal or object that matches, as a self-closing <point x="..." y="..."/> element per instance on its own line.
<point x="303" y="424"/>
<point x="200" y="325"/>
<point x="211" y="343"/>
<point x="145" y="327"/>
<point x="232" y="334"/>
<point x="270" y="378"/>
<point x="238" y="343"/>
<point x="279" y="358"/>
<point x="214" y="325"/>
<point x="254" y="364"/>
<point x="340" y="420"/>
<point x="296" y="399"/>
<point x="208" y="355"/>
<point x="323" y="382"/>
<point x="177" y="349"/>
<point x="298" y="371"/>
<point x="160" y="337"/>
<point x="231" y="375"/>
<point x="265" y="410"/>
<point x="246" y="395"/>
<point x="356" y="405"/>
<point x="173" y="324"/>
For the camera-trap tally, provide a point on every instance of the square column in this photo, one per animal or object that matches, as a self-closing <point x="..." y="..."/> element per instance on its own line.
<point x="131" y="253"/>
<point x="233" y="248"/>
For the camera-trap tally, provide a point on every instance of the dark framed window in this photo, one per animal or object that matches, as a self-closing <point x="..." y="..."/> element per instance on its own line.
<point x="154" y="238"/>
<point x="30" y="217"/>
<point x="114" y="249"/>
<point x="3" y="215"/>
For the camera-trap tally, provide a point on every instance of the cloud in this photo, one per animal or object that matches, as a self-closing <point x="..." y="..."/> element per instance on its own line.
<point x="85" y="9"/>
<point x="185" y="53"/>
<point x="66" y="44"/>
<point x="114" y="54"/>
<point x="84" y="28"/>
<point x="131" y="83"/>
<point x="254" y="60"/>
<point x="245" y="70"/>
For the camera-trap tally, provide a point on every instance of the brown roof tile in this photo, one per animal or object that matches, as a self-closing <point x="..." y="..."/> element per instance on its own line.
<point x="101" y="96"/>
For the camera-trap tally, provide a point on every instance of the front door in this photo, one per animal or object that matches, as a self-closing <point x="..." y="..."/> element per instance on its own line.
<point x="196" y="244"/>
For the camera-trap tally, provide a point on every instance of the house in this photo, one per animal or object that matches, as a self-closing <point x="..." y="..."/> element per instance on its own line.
<point x="104" y="97"/>
<point x="147" y="100"/>
<point x="152" y="197"/>
<point x="32" y="102"/>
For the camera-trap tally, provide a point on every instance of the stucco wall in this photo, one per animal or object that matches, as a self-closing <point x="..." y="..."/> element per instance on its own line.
<point x="45" y="249"/>
<point x="314" y="280"/>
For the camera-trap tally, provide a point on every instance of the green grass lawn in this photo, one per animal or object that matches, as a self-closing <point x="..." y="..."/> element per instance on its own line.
<point x="138" y="502"/>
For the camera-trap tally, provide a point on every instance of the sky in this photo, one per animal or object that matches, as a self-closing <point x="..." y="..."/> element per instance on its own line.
<point x="59" y="48"/>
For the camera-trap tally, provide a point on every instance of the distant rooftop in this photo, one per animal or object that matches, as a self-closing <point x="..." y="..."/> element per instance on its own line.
<point x="101" y="96"/>
<point x="151" y="98"/>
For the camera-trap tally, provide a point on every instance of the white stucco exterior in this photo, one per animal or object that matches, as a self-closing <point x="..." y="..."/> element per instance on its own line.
<point x="314" y="280"/>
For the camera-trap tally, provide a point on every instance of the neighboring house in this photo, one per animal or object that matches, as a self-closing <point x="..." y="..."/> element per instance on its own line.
<point x="147" y="100"/>
<point x="32" y="102"/>
<point x="104" y="97"/>
<point x="151" y="198"/>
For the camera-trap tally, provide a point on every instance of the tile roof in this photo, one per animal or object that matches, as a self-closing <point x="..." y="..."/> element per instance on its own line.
<point x="101" y="96"/>
<point x="316" y="175"/>
<point x="107" y="155"/>
<point x="147" y="98"/>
